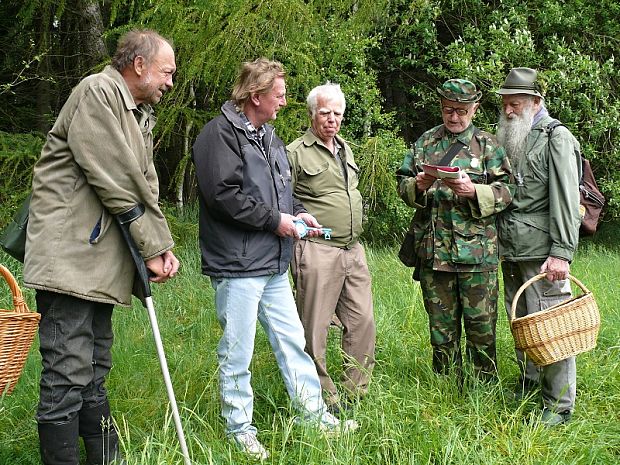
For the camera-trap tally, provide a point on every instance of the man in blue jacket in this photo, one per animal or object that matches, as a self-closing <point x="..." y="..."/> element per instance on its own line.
<point x="247" y="228"/>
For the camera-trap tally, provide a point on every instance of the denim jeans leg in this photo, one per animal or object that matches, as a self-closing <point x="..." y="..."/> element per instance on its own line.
<point x="278" y="316"/>
<point x="236" y="303"/>
<point x="66" y="344"/>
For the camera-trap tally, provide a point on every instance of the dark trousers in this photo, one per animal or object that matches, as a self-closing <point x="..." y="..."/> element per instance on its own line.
<point x="75" y="341"/>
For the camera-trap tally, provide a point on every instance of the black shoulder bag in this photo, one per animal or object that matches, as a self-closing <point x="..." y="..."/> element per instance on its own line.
<point x="13" y="237"/>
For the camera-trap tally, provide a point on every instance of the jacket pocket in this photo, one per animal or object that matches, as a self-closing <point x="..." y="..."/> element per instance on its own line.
<point x="318" y="181"/>
<point x="467" y="244"/>
<point x="100" y="228"/>
<point x="531" y="236"/>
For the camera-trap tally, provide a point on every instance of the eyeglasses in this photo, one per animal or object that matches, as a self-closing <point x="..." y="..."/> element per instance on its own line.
<point x="459" y="111"/>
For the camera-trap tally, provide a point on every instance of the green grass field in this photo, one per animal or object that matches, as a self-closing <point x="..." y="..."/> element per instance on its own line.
<point x="411" y="416"/>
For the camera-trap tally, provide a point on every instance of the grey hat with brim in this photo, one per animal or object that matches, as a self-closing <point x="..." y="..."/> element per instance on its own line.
<point x="521" y="81"/>
<point x="459" y="90"/>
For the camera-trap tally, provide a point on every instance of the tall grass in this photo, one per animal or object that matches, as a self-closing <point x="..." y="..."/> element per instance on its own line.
<point x="411" y="416"/>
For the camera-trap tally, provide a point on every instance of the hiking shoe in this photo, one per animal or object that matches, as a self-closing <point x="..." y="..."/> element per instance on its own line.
<point x="550" y="418"/>
<point x="330" y="426"/>
<point x="249" y="444"/>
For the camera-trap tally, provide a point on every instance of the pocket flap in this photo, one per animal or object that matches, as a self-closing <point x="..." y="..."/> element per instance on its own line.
<point x="314" y="170"/>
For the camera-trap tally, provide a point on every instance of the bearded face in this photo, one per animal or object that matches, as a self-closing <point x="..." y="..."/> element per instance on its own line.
<point x="514" y="127"/>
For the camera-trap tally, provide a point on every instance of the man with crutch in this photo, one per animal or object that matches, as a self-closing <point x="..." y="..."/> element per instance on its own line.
<point x="97" y="164"/>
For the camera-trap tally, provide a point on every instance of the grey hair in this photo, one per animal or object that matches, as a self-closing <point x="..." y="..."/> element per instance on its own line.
<point x="137" y="42"/>
<point x="330" y="91"/>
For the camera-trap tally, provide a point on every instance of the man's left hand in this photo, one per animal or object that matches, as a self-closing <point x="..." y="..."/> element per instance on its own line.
<point x="163" y="267"/>
<point x="462" y="186"/>
<point x="556" y="268"/>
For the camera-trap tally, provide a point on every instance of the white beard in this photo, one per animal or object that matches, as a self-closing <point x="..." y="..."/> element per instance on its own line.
<point x="512" y="133"/>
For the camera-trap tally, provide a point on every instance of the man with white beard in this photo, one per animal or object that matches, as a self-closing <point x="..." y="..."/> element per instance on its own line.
<point x="539" y="231"/>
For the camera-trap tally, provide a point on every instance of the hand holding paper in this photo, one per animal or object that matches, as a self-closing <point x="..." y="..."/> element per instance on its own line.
<point x="461" y="186"/>
<point x="451" y="172"/>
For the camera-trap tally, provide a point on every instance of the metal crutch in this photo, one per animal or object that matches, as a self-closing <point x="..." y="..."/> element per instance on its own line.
<point x="124" y="223"/>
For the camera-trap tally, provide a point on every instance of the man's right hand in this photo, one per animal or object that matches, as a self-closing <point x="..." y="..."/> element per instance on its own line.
<point x="287" y="228"/>
<point x="556" y="268"/>
<point x="423" y="181"/>
<point x="163" y="267"/>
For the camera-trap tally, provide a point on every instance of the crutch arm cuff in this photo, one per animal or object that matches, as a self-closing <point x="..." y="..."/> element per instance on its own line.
<point x="132" y="214"/>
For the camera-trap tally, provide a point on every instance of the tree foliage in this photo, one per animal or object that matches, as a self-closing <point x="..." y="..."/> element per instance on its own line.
<point x="388" y="55"/>
<point x="572" y="44"/>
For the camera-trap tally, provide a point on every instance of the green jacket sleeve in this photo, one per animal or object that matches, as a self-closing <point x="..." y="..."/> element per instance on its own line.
<point x="564" y="218"/>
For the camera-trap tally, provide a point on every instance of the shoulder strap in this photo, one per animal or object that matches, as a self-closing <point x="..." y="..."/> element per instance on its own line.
<point x="453" y="150"/>
<point x="554" y="123"/>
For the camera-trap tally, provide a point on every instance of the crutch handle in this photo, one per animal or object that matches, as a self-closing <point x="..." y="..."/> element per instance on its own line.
<point x="124" y="220"/>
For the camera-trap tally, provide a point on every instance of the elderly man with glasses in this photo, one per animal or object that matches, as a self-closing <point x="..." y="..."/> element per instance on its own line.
<point x="456" y="178"/>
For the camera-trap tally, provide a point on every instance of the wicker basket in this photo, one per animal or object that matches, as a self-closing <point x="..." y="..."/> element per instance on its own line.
<point x="558" y="332"/>
<point x="17" y="330"/>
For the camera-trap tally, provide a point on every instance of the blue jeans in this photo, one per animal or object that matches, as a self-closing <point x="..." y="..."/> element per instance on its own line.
<point x="75" y="340"/>
<point x="239" y="303"/>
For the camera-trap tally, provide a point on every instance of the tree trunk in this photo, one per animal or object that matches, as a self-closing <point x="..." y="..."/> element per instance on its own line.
<point x="90" y="45"/>
<point x="43" y="24"/>
<point x="185" y="164"/>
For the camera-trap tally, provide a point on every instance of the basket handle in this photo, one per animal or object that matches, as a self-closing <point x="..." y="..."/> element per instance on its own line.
<point x="538" y="277"/>
<point x="19" y="303"/>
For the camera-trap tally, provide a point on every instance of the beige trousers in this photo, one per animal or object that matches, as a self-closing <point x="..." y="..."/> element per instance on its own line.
<point x="332" y="280"/>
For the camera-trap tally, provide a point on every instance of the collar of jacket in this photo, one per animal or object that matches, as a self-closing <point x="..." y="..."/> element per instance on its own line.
<point x="229" y="110"/>
<point x="128" y="101"/>
<point x="542" y="123"/>
<point x="464" y="137"/>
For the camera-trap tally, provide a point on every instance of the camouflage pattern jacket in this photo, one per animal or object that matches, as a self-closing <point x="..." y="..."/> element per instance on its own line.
<point x="453" y="233"/>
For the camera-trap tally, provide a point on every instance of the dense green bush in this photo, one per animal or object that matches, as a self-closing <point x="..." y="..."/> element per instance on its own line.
<point x="388" y="56"/>
<point x="18" y="152"/>
<point x="572" y="44"/>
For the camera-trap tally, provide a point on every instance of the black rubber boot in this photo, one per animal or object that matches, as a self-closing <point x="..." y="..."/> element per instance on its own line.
<point x="100" y="436"/>
<point x="59" y="443"/>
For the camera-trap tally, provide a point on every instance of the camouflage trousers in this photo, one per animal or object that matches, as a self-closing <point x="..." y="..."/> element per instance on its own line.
<point x="452" y="297"/>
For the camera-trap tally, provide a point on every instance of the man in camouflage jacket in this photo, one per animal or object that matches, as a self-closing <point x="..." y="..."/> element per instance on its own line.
<point x="454" y="230"/>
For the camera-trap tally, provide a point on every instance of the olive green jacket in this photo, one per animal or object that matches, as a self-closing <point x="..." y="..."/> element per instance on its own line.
<point x="318" y="182"/>
<point x="97" y="162"/>
<point x="453" y="233"/>
<point x="543" y="219"/>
